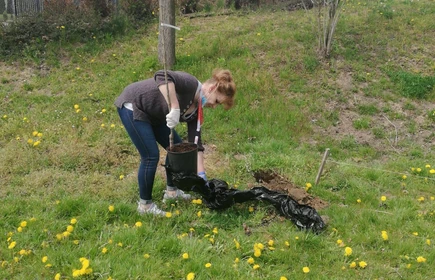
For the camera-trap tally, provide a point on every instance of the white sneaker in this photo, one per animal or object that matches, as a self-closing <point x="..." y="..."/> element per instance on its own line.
<point x="153" y="209"/>
<point x="178" y="194"/>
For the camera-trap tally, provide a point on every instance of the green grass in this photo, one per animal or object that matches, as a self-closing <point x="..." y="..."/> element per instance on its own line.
<point x="290" y="107"/>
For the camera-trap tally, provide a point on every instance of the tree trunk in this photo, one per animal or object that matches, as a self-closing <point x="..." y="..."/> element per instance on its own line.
<point x="166" y="45"/>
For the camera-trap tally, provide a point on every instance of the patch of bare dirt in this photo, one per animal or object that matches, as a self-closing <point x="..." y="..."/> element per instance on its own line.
<point x="397" y="120"/>
<point x="275" y="182"/>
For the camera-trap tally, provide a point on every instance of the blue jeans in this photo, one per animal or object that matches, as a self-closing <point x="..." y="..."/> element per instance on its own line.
<point x="145" y="137"/>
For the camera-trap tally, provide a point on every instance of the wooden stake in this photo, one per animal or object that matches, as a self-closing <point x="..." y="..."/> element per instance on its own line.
<point x="325" y="156"/>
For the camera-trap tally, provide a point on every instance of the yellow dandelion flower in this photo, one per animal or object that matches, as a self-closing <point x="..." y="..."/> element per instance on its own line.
<point x="404" y="177"/>
<point x="69" y="228"/>
<point x="283" y="278"/>
<point x="352" y="265"/>
<point x="185" y="256"/>
<point x="76" y="242"/>
<point x="362" y="264"/>
<point x="138" y="224"/>
<point x="76" y="106"/>
<point x="408" y="266"/>
<point x="432" y="171"/>
<point x="30" y="141"/>
<point x="85" y="119"/>
<point x="44" y="259"/>
<point x="421" y="259"/>
<point x="236" y="260"/>
<point x="199" y="214"/>
<point x="415" y="233"/>
<point x="12" y="245"/>
<point x="384" y="235"/>
<point x="287" y="243"/>
<point x="207" y="265"/>
<point x="420" y="199"/>
<point x="190" y="276"/>
<point x="251" y="260"/>
<point x="197" y="201"/>
<point x="347" y="251"/>
<point x="22" y="252"/>
<point x="383" y="198"/>
<point x="23" y="224"/>
<point x="256" y="266"/>
<point x="428" y="242"/>
<point x="259" y="246"/>
<point x="418" y="170"/>
<point x="358" y="200"/>
<point x="112" y="125"/>
<point x="168" y="214"/>
<point x="121" y="177"/>
<point x="215" y="230"/>
<point x="270" y="242"/>
<point x="339" y="242"/>
<point x="308" y="186"/>
<point x="57" y="276"/>
<point x="251" y="209"/>
<point x="237" y="244"/>
<point x="427" y="166"/>
<point x="104" y="250"/>
<point x="103" y="110"/>
<point x="146" y="256"/>
<point x="73" y="221"/>
<point x="111" y="208"/>
<point x="119" y="244"/>
<point x="306" y="269"/>
<point x="20" y="229"/>
<point x="257" y="253"/>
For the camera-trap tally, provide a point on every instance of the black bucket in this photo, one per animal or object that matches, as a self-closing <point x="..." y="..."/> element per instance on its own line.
<point x="183" y="158"/>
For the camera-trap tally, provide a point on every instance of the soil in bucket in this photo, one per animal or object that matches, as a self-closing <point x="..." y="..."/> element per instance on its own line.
<point x="183" y="157"/>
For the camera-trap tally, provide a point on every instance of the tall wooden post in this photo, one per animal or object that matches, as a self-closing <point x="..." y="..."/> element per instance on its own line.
<point x="166" y="47"/>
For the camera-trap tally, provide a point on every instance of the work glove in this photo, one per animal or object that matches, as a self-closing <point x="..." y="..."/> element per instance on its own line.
<point x="202" y="175"/>
<point x="173" y="118"/>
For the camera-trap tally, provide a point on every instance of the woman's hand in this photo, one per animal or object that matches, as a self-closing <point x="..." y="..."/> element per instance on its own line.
<point x="173" y="118"/>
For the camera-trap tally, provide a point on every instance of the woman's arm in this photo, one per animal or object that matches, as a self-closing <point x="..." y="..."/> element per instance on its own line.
<point x="172" y="95"/>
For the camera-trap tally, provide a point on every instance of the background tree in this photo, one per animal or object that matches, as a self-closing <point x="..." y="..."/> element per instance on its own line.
<point x="166" y="45"/>
<point x="329" y="11"/>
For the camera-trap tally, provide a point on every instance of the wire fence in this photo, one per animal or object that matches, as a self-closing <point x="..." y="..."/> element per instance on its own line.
<point x="20" y="7"/>
<point x="16" y="8"/>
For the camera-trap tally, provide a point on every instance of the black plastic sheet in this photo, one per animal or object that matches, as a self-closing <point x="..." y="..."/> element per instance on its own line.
<point x="217" y="195"/>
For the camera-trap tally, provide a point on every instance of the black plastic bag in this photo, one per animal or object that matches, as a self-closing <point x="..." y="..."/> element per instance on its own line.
<point x="216" y="195"/>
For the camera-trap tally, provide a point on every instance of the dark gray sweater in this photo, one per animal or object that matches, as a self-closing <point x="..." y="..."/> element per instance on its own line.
<point x="150" y="106"/>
